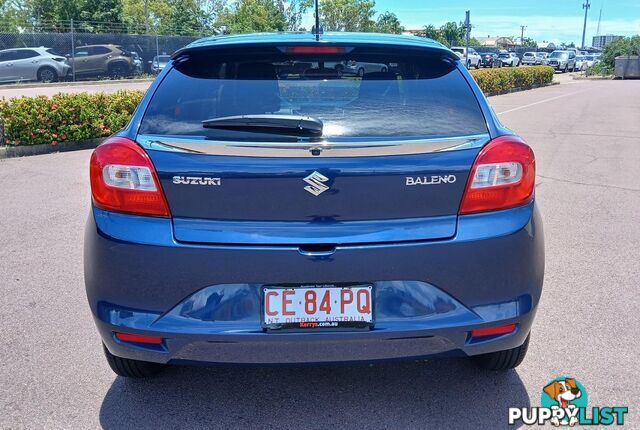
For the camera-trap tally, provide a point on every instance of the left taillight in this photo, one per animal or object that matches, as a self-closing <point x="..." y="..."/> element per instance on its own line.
<point x="123" y="179"/>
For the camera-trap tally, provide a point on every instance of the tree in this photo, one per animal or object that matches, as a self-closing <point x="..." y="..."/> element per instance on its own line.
<point x="294" y="12"/>
<point x="388" y="22"/>
<point x="452" y="33"/>
<point x="474" y="42"/>
<point x="431" y="32"/>
<point x="252" y="16"/>
<point x="347" y="15"/>
<point x="528" y="42"/>
<point x="185" y="18"/>
<point x="622" y="46"/>
<point x="101" y="10"/>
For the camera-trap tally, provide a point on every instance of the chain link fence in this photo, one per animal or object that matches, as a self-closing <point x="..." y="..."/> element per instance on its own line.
<point x="89" y="49"/>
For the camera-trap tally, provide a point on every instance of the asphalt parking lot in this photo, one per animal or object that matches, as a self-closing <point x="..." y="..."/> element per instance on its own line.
<point x="586" y="135"/>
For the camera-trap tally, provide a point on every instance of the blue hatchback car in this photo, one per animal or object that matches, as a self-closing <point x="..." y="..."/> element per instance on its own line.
<point x="262" y="207"/>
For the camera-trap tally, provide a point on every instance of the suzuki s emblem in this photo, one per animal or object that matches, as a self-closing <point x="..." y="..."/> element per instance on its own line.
<point x="316" y="183"/>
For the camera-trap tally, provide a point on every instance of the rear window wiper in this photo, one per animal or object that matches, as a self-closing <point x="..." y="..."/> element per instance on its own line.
<point x="293" y="125"/>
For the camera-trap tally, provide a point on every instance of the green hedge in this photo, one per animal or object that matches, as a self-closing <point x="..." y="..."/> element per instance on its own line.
<point x="502" y="80"/>
<point x="65" y="117"/>
<point x="76" y="117"/>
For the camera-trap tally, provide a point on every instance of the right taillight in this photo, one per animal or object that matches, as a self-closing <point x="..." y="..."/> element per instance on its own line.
<point x="503" y="176"/>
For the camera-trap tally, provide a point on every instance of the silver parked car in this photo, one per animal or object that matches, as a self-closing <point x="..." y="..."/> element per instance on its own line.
<point x="563" y="60"/>
<point x="32" y="64"/>
<point x="530" y="58"/>
<point x="358" y="68"/>
<point x="158" y="63"/>
<point x="543" y="57"/>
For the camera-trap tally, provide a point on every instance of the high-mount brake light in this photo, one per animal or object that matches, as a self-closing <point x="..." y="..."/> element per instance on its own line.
<point x="316" y="50"/>
<point x="123" y="179"/>
<point x="503" y="176"/>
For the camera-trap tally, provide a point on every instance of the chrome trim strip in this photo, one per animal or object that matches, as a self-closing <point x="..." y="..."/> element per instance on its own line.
<point x="312" y="149"/>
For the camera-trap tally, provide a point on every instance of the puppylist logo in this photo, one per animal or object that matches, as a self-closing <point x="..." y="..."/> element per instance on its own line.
<point x="564" y="403"/>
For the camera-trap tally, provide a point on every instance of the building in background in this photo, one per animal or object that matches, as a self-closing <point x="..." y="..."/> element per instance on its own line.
<point x="496" y="42"/>
<point x="602" y="41"/>
<point x="547" y="46"/>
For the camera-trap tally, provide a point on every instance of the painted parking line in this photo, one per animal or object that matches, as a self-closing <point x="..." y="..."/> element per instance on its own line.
<point x="539" y="102"/>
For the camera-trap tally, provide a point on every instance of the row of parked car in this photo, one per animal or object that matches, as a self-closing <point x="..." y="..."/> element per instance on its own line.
<point x="47" y="65"/>
<point x="487" y="59"/>
<point x="562" y="60"/>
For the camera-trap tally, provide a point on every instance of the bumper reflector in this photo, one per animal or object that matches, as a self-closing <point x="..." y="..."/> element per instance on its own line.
<point x="139" y="338"/>
<point x="493" y="331"/>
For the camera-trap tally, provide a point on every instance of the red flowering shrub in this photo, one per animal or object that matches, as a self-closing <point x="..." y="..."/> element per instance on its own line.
<point x="65" y="117"/>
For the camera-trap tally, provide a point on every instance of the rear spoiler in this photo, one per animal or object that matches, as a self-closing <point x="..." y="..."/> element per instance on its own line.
<point x="432" y="49"/>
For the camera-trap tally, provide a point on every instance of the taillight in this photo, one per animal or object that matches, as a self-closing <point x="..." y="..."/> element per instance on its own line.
<point x="123" y="179"/>
<point x="503" y="176"/>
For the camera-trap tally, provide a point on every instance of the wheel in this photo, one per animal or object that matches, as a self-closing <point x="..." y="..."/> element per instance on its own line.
<point x="468" y="64"/>
<point x="117" y="70"/>
<point x="566" y="69"/>
<point x="384" y="70"/>
<point x="47" y="74"/>
<point x="131" y="368"/>
<point x="361" y="72"/>
<point x="477" y="65"/>
<point x="503" y="360"/>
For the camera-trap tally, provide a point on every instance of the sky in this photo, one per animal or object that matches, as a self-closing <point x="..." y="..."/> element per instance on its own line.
<point x="546" y="20"/>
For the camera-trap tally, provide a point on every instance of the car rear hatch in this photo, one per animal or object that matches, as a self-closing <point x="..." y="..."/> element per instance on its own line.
<point x="390" y="163"/>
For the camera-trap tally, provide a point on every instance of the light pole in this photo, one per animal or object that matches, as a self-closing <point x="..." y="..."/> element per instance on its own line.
<point x="467" y="25"/>
<point x="586" y="7"/>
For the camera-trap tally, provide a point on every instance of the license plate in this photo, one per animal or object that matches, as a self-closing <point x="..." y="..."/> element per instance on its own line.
<point x="317" y="307"/>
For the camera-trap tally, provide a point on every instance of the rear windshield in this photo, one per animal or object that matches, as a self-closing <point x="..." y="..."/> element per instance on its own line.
<point x="355" y="95"/>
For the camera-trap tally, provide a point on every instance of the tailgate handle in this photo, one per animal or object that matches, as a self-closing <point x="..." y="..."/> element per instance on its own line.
<point x="317" y="249"/>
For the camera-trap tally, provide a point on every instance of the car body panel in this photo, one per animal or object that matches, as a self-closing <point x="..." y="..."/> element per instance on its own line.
<point x="506" y="289"/>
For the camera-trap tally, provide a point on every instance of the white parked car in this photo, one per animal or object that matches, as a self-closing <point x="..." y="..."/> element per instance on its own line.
<point x="509" y="59"/>
<point x="473" y="59"/>
<point x="32" y="64"/>
<point x="591" y="60"/>
<point x="581" y="63"/>
<point x="530" y="58"/>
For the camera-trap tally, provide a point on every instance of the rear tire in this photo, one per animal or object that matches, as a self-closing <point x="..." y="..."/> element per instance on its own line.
<point x="503" y="360"/>
<point x="117" y="70"/>
<point x="128" y="368"/>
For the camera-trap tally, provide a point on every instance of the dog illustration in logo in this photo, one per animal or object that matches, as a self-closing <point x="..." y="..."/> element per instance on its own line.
<point x="563" y="392"/>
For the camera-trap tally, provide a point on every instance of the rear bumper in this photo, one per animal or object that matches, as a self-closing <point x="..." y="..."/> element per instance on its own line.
<point x="204" y="300"/>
